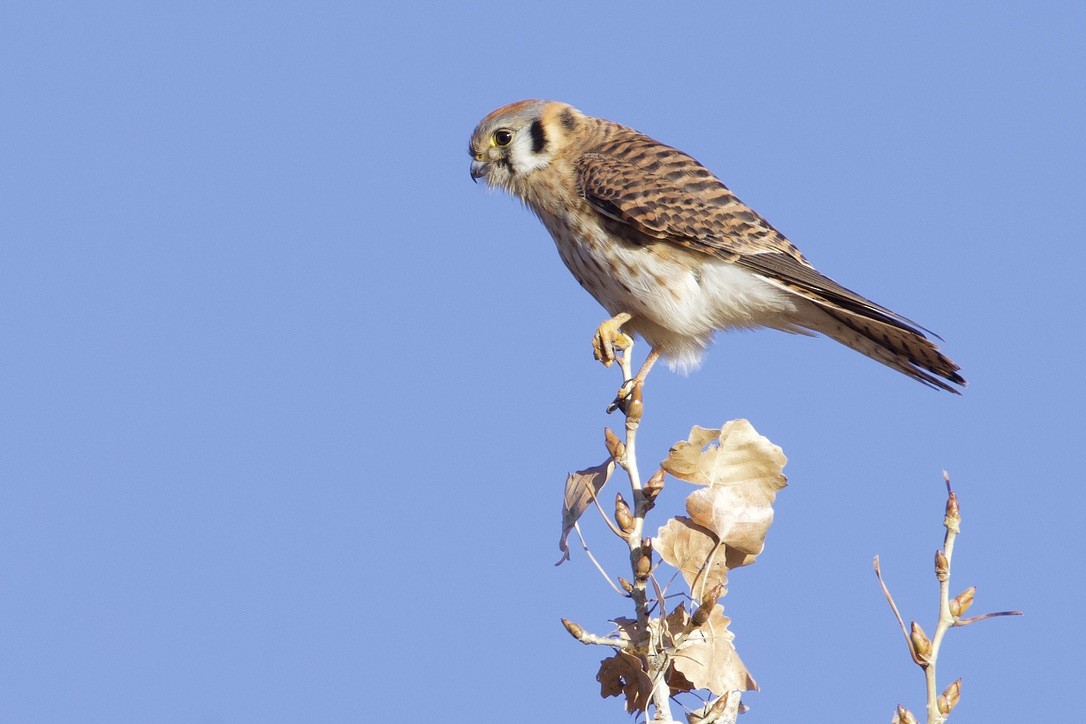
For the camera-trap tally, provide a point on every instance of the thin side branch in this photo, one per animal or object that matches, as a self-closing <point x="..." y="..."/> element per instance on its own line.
<point x="588" y="552"/>
<point x="897" y="615"/>
<point x="974" y="619"/>
<point x="590" y="639"/>
<point x="603" y="514"/>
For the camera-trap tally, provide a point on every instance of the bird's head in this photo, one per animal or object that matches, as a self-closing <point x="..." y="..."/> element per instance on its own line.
<point x="515" y="140"/>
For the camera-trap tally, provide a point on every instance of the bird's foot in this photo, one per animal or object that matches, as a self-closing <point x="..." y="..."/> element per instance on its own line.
<point x="610" y="339"/>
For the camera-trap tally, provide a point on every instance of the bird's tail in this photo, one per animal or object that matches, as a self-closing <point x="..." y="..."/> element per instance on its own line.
<point x="896" y="345"/>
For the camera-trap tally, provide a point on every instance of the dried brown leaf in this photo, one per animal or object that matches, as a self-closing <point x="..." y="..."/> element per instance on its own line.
<point x="739" y="515"/>
<point x="677" y="682"/>
<point x="717" y="711"/>
<point x="578" y="496"/>
<point x="740" y="455"/>
<point x="687" y="546"/>
<point x="627" y="628"/>
<point x="624" y="673"/>
<point x="676" y="621"/>
<point x="684" y="459"/>
<point x="708" y="659"/>
<point x="743" y="472"/>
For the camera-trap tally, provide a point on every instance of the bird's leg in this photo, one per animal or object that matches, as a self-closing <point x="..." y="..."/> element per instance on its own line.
<point x="611" y="344"/>
<point x="630" y="381"/>
<point x="646" y="366"/>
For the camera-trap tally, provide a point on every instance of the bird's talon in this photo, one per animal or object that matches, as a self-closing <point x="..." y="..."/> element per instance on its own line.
<point x="609" y="339"/>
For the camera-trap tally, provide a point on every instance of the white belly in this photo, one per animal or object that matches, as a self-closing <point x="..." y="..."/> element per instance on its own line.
<point x="678" y="298"/>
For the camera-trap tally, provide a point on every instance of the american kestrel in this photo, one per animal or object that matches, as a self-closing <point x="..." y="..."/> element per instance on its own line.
<point x="668" y="249"/>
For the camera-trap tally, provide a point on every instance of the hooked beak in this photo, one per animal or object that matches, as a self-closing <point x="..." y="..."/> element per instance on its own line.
<point x="478" y="170"/>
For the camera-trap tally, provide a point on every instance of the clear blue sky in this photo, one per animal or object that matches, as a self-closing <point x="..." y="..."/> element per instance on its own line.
<point x="288" y="401"/>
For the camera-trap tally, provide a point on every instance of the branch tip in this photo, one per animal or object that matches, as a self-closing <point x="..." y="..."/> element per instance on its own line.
<point x="953" y="512"/>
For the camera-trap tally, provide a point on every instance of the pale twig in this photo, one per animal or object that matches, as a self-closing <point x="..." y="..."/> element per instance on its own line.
<point x="590" y="639"/>
<point x="596" y="563"/>
<point x="606" y="518"/>
<point x="699" y="579"/>
<point x="660" y="597"/>
<point x="952" y="523"/>
<point x="657" y="662"/>
<point x="625" y="363"/>
<point x="670" y="581"/>
<point x="897" y="614"/>
<point x="974" y="619"/>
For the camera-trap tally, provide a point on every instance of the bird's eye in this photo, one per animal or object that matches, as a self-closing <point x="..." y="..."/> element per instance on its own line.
<point x="503" y="137"/>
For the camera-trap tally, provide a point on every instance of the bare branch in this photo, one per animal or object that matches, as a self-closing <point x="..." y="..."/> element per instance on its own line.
<point x="588" y="552"/>
<point x="603" y="514"/>
<point x="588" y="639"/>
<point x="897" y="614"/>
<point x="974" y="619"/>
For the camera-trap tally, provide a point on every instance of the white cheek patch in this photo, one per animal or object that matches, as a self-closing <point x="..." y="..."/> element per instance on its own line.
<point x="522" y="158"/>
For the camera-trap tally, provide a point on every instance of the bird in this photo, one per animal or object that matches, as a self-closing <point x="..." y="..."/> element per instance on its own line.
<point x="670" y="252"/>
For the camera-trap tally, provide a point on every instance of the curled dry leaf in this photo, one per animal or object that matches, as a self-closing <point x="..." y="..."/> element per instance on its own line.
<point x="627" y="629"/>
<point x="580" y="487"/>
<point x="685" y="459"/>
<point x="740" y="455"/>
<point x="677" y="683"/>
<point x="723" y="709"/>
<point x="687" y="546"/>
<point x="742" y="472"/>
<point x="624" y="673"/>
<point x="707" y="656"/>
<point x="739" y="515"/>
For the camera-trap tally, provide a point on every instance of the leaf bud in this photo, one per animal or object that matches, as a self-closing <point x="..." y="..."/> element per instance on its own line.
<point x="626" y="585"/>
<point x="921" y="642"/>
<point x="654" y="485"/>
<point x="623" y="515"/>
<point x="904" y="716"/>
<point x="953" y="512"/>
<point x="644" y="564"/>
<point x="574" y="630"/>
<point x="635" y="406"/>
<point x="949" y="698"/>
<point x="615" y="447"/>
<point x="942" y="566"/>
<point x="708" y="602"/>
<point x="961" y="603"/>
